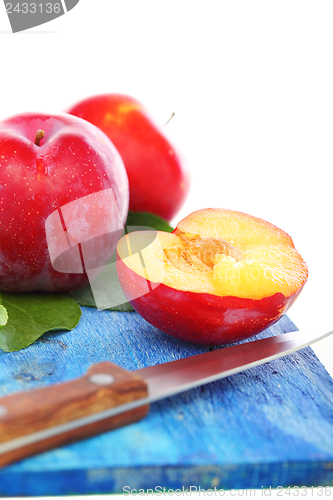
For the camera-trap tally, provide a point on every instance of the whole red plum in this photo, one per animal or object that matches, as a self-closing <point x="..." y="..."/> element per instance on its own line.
<point x="157" y="172"/>
<point x="63" y="195"/>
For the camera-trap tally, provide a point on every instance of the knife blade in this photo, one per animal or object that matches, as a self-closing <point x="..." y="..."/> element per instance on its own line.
<point x="107" y="396"/>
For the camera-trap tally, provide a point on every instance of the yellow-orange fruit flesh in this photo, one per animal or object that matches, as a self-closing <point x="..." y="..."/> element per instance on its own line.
<point x="220" y="252"/>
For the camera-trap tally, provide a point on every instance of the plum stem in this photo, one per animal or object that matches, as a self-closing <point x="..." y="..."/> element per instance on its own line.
<point x="173" y="114"/>
<point x="39" y="136"/>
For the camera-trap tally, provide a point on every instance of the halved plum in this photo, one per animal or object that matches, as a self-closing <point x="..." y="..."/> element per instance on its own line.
<point x="220" y="277"/>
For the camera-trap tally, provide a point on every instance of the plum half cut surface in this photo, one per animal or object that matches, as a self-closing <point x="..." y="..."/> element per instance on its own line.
<point x="220" y="277"/>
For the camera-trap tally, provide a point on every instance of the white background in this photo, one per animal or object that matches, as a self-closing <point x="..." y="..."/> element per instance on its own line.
<point x="251" y="86"/>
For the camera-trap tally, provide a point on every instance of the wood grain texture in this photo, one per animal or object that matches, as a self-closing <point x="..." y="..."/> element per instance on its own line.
<point x="269" y="426"/>
<point x="32" y="411"/>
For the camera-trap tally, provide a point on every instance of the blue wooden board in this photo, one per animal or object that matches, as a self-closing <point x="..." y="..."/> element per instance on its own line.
<point x="269" y="426"/>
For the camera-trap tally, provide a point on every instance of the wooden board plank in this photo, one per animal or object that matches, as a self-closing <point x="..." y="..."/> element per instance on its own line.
<point x="269" y="426"/>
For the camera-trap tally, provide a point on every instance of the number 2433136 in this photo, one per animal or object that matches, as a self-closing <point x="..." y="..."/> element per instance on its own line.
<point x="33" y="8"/>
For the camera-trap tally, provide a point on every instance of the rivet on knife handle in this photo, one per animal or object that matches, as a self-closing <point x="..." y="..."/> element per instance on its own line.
<point x="104" y="386"/>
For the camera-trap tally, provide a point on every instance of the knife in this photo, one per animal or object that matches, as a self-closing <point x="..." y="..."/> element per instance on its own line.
<point x="107" y="396"/>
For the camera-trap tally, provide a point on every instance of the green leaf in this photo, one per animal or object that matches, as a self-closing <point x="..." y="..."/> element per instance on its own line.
<point x="32" y="314"/>
<point x="3" y="317"/>
<point x="149" y="220"/>
<point x="104" y="290"/>
<point x="106" y="286"/>
<point x="84" y="296"/>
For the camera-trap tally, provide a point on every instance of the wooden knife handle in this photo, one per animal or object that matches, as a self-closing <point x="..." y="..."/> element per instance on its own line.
<point x="104" y="386"/>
